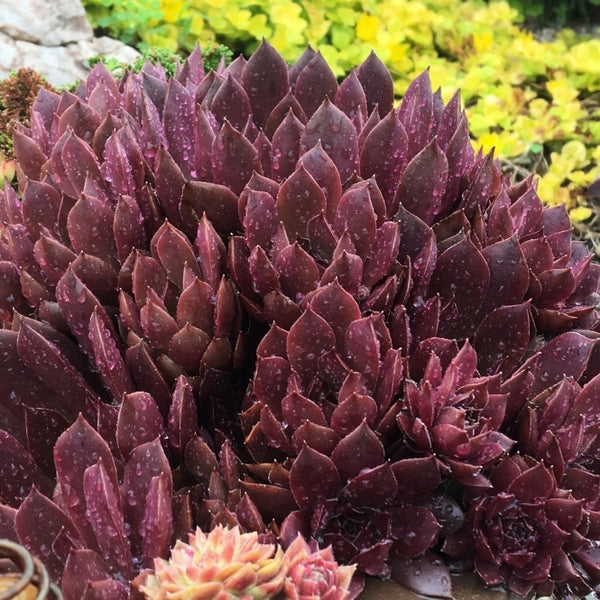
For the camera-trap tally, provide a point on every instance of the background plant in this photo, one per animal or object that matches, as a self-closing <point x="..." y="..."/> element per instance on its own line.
<point x="521" y="94"/>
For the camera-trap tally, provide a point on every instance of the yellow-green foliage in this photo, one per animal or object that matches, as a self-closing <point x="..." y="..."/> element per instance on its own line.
<point x="520" y="93"/>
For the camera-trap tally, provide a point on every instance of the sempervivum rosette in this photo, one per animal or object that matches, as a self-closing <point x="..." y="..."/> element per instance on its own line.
<point x="416" y="319"/>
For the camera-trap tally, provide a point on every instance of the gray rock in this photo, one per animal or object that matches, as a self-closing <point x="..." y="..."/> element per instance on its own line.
<point x="45" y="23"/>
<point x="54" y="38"/>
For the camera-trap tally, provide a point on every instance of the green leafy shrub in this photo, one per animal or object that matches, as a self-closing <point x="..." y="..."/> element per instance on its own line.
<point x="561" y="11"/>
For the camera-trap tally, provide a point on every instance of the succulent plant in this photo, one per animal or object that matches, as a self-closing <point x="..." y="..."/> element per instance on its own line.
<point x="314" y="574"/>
<point x="527" y="533"/>
<point x="224" y="563"/>
<point x="319" y="313"/>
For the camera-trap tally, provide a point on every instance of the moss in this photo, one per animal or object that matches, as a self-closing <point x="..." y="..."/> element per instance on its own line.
<point x="17" y="93"/>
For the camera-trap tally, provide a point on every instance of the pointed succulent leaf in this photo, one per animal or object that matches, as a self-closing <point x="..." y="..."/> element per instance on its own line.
<point x="557" y="286"/>
<point x="390" y="379"/>
<point x="321" y="238"/>
<point x="270" y="381"/>
<point x="448" y="121"/>
<point x="29" y="155"/>
<point x="286" y="147"/>
<point x="128" y="227"/>
<point x="323" y="170"/>
<point x="145" y="462"/>
<point x="352" y="412"/>
<point x="358" y="450"/>
<point x="415" y="530"/>
<point x="43" y="427"/>
<point x="383" y="253"/>
<point x="273" y="343"/>
<point x="195" y="306"/>
<point x="108" y="359"/>
<point x="416" y="477"/>
<point x="372" y="487"/>
<point x="83" y="565"/>
<point x="10" y="206"/>
<point x="585" y="404"/>
<point x="231" y="148"/>
<point x="76" y="449"/>
<point x="265" y="278"/>
<point x="139" y="422"/>
<point x="169" y="185"/>
<point x="300" y="198"/>
<point x="565" y="355"/>
<point x="415" y="113"/>
<point x="261" y="219"/>
<point x="309" y="338"/>
<point x="46" y="359"/>
<point x="38" y="523"/>
<point x="462" y="275"/>
<point x="158" y="521"/>
<point x="377" y="83"/>
<point x="158" y="325"/>
<point x="355" y="215"/>
<point x="274" y="502"/>
<point x="314" y="478"/>
<point x="337" y="134"/>
<point x="200" y="460"/>
<point x="315" y="82"/>
<point x="383" y="155"/>
<point x="298" y="272"/>
<point x="280" y="309"/>
<point x="509" y="273"/>
<point x="147" y="274"/>
<point x="231" y="103"/>
<point x="274" y="432"/>
<point x="265" y="79"/>
<point x="81" y="119"/>
<point x="351" y="98"/>
<point x="18" y="471"/>
<point x="278" y="114"/>
<point x="347" y="269"/>
<point x="216" y="201"/>
<point x="460" y="157"/>
<point x="117" y="169"/>
<point x="182" y="419"/>
<point x="105" y="589"/>
<point x="173" y="251"/>
<point x="40" y="208"/>
<point x="502" y="338"/>
<point x="211" y="254"/>
<point x="103" y="512"/>
<point x="484" y="184"/>
<point x="226" y="309"/>
<point x="423" y="183"/>
<point x="362" y="349"/>
<point x="11" y="297"/>
<point x="534" y="483"/>
<point x="187" y="347"/>
<point x="179" y="121"/>
<point x="337" y="307"/>
<point x="318" y="437"/>
<point x="73" y="161"/>
<point x="297" y="409"/>
<point x="90" y="227"/>
<point x="146" y="375"/>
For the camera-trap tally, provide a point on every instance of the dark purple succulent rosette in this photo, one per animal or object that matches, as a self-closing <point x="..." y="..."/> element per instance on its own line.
<point x="529" y="534"/>
<point x="262" y="297"/>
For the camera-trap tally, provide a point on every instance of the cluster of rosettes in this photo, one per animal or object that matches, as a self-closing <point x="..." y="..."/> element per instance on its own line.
<point x="228" y="564"/>
<point x="314" y="312"/>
